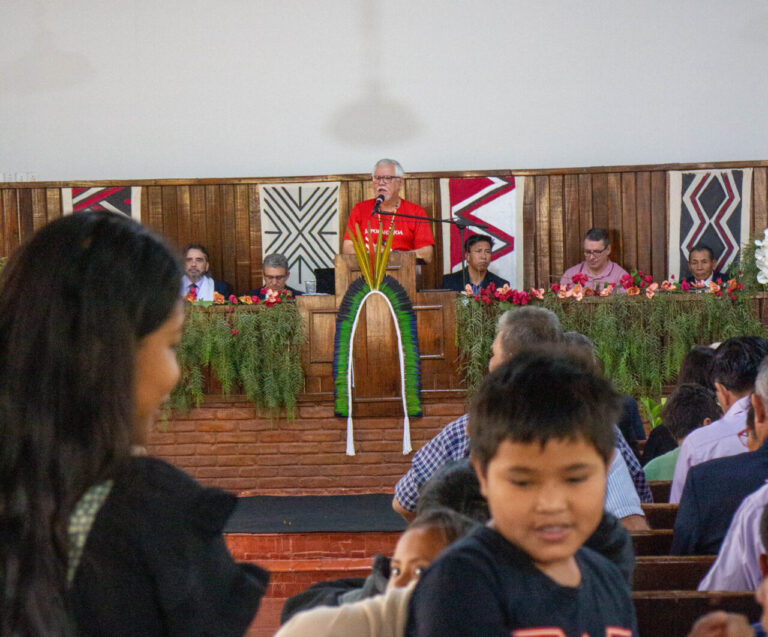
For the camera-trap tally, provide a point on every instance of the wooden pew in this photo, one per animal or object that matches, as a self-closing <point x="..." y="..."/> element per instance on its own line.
<point x="660" y="490"/>
<point x="672" y="613"/>
<point x="660" y="516"/>
<point x="670" y="572"/>
<point x="655" y="542"/>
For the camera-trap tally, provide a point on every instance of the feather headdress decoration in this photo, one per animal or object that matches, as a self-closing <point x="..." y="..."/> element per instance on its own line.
<point x="373" y="266"/>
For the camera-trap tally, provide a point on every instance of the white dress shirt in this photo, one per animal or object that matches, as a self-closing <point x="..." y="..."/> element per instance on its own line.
<point x="737" y="567"/>
<point x="717" y="440"/>
<point x="204" y="287"/>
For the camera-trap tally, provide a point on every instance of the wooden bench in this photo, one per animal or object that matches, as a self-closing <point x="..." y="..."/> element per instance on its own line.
<point x="672" y="613"/>
<point x="660" y="516"/>
<point x="660" y="490"/>
<point x="670" y="572"/>
<point x="656" y="542"/>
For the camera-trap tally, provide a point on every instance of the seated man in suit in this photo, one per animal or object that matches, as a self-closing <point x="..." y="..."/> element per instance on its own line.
<point x="596" y="266"/>
<point x="196" y="279"/>
<point x="276" y="274"/>
<point x="734" y="370"/>
<point x="701" y="263"/>
<point x="477" y="253"/>
<point x="715" y="489"/>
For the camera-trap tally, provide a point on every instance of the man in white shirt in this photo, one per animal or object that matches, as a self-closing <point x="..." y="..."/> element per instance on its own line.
<point x="196" y="280"/>
<point x="734" y="370"/>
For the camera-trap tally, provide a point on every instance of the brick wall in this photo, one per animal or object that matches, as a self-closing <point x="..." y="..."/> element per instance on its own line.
<point x="226" y="443"/>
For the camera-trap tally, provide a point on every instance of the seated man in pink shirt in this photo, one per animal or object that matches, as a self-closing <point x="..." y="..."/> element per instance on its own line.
<point x="598" y="268"/>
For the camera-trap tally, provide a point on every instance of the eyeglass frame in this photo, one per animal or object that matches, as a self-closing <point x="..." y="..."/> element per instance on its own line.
<point x="385" y="178"/>
<point x="743" y="436"/>
<point x="594" y="253"/>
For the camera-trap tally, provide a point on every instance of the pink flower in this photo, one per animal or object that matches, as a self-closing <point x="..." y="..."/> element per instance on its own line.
<point x="538" y="293"/>
<point x="667" y="286"/>
<point x="649" y="279"/>
<point x="579" y="278"/>
<point x="606" y="291"/>
<point x="232" y="298"/>
<point x="555" y="287"/>
<point x="234" y="332"/>
<point x="685" y="286"/>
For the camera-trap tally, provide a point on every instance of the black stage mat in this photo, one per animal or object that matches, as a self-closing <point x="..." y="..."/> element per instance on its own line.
<point x="307" y="514"/>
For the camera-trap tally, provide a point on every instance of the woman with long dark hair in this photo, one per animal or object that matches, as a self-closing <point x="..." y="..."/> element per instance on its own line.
<point x="94" y="540"/>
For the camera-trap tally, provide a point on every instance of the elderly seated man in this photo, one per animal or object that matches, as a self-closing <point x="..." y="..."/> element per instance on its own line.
<point x="598" y="269"/>
<point x="701" y="263"/>
<point x="276" y="275"/>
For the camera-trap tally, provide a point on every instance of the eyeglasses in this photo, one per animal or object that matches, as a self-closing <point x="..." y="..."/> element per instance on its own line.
<point x="744" y="436"/>
<point x="386" y="178"/>
<point x="594" y="253"/>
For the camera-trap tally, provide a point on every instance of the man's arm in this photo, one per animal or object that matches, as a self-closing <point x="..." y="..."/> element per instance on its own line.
<point x="425" y="252"/>
<point x="405" y="513"/>
<point x="347" y="247"/>
<point x="621" y="499"/>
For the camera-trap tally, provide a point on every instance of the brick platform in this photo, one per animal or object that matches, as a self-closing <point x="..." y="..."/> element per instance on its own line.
<point x="226" y="443"/>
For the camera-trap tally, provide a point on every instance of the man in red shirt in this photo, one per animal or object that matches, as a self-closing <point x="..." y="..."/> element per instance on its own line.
<point x="411" y="235"/>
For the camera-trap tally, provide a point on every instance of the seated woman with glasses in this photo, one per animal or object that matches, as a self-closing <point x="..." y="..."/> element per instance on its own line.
<point x="599" y="270"/>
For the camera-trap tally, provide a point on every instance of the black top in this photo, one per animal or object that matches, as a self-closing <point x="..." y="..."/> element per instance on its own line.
<point x="659" y="442"/>
<point x="485" y="586"/>
<point x="455" y="281"/>
<point x="155" y="562"/>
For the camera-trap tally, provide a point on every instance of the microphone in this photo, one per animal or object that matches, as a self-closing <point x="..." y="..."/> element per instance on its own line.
<point x="377" y="205"/>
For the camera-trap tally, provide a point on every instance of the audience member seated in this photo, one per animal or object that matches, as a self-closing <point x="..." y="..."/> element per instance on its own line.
<point x="455" y="485"/>
<point x="734" y="369"/>
<point x="96" y="541"/>
<point x="715" y="489"/>
<point x="750" y="573"/>
<point x="701" y="263"/>
<point x="411" y="235"/>
<point x="478" y="251"/>
<point x="599" y="270"/>
<point x="196" y="281"/>
<point x="689" y="407"/>
<point x="276" y="274"/>
<point x="542" y="466"/>
<point x="736" y="567"/>
<point x="524" y="327"/>
<point x="696" y="368"/>
<point x="385" y="614"/>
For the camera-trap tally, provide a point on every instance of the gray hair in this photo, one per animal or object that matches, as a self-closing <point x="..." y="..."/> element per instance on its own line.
<point x="275" y="261"/>
<point x="761" y="382"/>
<point x="527" y="326"/>
<point x="399" y="172"/>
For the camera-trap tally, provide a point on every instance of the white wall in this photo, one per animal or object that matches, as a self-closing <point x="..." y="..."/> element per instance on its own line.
<point x="206" y="88"/>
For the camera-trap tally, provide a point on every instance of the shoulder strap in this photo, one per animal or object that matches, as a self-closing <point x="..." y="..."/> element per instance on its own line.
<point x="81" y="521"/>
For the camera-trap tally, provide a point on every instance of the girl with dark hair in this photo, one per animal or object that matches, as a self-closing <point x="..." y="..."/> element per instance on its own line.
<point x="94" y="541"/>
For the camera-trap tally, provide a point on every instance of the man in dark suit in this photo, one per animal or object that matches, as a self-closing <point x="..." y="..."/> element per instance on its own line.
<point x="196" y="280"/>
<point x="715" y="489"/>
<point x="276" y="274"/>
<point x="477" y="254"/>
<point x="701" y="263"/>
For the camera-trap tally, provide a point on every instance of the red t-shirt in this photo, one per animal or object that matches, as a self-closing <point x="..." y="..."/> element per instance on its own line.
<point x="410" y="234"/>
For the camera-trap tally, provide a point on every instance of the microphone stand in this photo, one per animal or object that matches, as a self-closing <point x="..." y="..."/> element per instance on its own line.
<point x="461" y="224"/>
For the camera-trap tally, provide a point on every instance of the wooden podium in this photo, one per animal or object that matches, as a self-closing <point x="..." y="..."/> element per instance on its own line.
<point x="376" y="390"/>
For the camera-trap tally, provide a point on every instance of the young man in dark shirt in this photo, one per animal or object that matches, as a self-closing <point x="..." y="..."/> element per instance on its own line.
<point x="541" y="440"/>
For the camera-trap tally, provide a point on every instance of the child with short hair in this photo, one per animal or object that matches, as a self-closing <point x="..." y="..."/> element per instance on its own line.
<point x="541" y="440"/>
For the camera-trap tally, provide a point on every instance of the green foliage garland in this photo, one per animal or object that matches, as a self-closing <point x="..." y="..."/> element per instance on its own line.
<point x="256" y="350"/>
<point x="641" y="342"/>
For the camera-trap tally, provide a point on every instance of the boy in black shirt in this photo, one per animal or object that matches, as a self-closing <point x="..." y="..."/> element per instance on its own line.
<point x="541" y="441"/>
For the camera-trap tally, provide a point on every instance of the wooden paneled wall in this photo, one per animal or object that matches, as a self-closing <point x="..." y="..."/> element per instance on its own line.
<point x="559" y="206"/>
